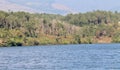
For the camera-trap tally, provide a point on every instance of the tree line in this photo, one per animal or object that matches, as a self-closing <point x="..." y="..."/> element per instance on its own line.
<point x="26" y="29"/>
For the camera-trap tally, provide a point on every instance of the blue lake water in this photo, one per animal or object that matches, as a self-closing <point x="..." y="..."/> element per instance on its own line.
<point x="61" y="57"/>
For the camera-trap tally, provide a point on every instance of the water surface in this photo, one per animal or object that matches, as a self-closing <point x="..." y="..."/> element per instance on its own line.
<point x="61" y="57"/>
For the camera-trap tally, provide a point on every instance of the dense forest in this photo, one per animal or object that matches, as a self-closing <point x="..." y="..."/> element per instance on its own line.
<point x="28" y="29"/>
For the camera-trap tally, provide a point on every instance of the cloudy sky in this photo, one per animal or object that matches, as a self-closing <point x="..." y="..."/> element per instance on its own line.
<point x="59" y="6"/>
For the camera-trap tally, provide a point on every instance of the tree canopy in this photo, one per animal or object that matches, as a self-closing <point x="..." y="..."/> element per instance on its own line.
<point x="26" y="29"/>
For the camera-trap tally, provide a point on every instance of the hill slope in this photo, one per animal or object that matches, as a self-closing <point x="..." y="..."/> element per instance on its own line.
<point x="8" y="6"/>
<point x="25" y="29"/>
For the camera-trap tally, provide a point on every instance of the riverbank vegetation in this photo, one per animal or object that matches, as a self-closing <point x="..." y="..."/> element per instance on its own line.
<point x="26" y="29"/>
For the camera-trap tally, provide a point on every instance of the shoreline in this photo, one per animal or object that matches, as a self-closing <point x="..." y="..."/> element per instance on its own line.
<point x="50" y="45"/>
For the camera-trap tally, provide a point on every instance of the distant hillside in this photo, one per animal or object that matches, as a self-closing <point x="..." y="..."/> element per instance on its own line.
<point x="8" y="6"/>
<point x="25" y="29"/>
<point x="11" y="5"/>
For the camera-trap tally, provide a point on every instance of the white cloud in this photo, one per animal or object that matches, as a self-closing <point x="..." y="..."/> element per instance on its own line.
<point x="33" y="4"/>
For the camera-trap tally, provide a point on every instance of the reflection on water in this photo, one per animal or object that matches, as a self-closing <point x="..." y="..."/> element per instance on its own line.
<point x="65" y="57"/>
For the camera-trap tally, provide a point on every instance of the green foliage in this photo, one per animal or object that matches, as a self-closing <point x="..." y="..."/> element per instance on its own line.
<point x="25" y="29"/>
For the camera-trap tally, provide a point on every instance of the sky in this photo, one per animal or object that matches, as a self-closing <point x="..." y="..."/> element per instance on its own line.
<point x="60" y="6"/>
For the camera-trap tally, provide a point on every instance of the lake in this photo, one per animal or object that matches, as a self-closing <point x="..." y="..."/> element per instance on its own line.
<point x="61" y="57"/>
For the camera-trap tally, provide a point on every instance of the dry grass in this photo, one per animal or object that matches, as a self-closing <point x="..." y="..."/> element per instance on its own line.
<point x="104" y="40"/>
